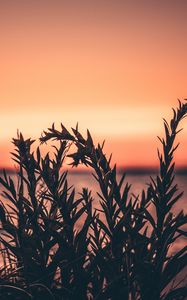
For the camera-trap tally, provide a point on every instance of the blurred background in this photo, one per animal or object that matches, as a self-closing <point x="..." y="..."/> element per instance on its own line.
<point x="115" y="67"/>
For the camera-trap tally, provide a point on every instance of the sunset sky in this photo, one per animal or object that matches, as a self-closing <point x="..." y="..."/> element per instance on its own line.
<point x="116" y="67"/>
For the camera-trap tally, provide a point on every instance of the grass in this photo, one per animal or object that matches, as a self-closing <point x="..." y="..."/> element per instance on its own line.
<point x="56" y="245"/>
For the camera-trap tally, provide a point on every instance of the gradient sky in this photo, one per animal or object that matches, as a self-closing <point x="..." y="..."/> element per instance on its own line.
<point x="116" y="67"/>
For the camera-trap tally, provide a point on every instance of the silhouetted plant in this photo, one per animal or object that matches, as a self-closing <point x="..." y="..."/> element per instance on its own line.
<point x="56" y="244"/>
<point x="159" y="268"/>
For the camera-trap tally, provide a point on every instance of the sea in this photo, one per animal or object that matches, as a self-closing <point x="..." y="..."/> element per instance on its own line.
<point x="138" y="181"/>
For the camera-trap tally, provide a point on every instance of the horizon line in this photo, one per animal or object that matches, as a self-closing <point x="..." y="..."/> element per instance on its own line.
<point x="131" y="170"/>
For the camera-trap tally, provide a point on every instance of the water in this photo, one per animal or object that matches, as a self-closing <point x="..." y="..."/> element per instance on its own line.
<point x="138" y="183"/>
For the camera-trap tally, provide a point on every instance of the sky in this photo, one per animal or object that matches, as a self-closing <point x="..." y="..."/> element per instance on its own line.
<point x="115" y="67"/>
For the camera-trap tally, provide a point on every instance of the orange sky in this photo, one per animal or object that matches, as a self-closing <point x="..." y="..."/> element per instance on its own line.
<point x="116" y="67"/>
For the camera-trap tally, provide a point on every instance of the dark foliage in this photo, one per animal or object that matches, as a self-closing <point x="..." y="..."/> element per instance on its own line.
<point x="56" y="245"/>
